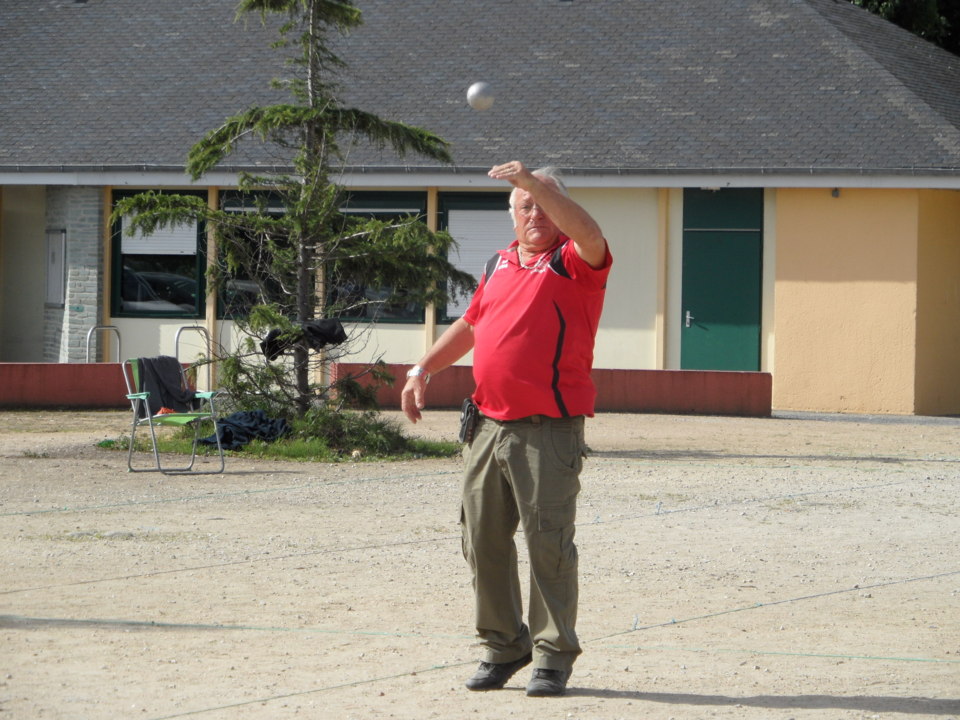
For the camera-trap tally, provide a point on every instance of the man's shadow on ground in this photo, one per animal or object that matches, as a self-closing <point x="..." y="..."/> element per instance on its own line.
<point x="863" y="703"/>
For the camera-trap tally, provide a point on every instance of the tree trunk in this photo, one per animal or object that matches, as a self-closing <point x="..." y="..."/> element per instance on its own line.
<point x="306" y="275"/>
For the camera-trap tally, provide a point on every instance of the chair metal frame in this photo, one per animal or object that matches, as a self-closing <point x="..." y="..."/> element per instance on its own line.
<point x="139" y="399"/>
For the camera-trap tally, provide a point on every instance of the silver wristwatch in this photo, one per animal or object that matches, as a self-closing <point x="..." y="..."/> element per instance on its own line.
<point x="417" y="371"/>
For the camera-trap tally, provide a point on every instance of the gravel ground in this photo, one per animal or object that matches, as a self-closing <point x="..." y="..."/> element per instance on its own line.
<point x="793" y="567"/>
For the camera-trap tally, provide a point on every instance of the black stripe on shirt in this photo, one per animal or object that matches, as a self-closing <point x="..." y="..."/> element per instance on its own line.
<point x="556" y="262"/>
<point x="556" y="363"/>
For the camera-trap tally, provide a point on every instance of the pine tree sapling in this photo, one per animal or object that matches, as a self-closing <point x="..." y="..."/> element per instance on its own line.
<point x="285" y="251"/>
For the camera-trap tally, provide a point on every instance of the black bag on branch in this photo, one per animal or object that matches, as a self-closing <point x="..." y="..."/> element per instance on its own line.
<point x="318" y="333"/>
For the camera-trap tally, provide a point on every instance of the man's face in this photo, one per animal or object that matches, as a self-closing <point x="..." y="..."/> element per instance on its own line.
<point x="535" y="231"/>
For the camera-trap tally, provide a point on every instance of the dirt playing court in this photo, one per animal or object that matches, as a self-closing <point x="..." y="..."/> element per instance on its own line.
<point x="794" y="567"/>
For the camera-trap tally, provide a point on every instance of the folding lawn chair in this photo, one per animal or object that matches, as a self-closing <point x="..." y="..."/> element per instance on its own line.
<point x="159" y="394"/>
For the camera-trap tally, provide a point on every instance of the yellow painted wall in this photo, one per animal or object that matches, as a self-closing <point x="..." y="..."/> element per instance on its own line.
<point x="845" y="300"/>
<point x="147" y="337"/>
<point x="627" y="337"/>
<point x="938" y="304"/>
<point x="674" y="279"/>
<point x="22" y="274"/>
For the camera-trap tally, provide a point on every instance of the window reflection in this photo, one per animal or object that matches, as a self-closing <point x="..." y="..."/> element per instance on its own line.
<point x="158" y="284"/>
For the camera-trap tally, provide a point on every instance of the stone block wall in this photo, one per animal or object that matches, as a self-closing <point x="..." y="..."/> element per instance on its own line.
<point x="79" y="210"/>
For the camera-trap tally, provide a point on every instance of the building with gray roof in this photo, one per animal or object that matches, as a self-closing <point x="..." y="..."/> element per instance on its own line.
<point x="832" y="133"/>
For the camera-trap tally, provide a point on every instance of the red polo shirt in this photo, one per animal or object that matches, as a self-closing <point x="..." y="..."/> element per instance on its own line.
<point x="534" y="329"/>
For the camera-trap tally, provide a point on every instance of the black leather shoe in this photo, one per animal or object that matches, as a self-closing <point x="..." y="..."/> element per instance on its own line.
<point x="548" y="683"/>
<point x="493" y="676"/>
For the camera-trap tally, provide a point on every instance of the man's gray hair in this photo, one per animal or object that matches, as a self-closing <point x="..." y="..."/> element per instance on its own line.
<point x="549" y="173"/>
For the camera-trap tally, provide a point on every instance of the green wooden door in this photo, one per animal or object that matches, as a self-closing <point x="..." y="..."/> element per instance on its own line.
<point x="722" y="270"/>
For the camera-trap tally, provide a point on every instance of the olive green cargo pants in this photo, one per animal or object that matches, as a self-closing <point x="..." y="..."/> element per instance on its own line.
<point x="524" y="473"/>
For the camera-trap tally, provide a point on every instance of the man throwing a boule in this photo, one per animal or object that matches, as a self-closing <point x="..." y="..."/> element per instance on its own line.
<point x="531" y="325"/>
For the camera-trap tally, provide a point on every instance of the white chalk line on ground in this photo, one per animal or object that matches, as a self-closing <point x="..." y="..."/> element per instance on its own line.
<point x="634" y="629"/>
<point x="435" y="668"/>
<point x="756" y="606"/>
<point x="182" y="499"/>
<point x="659" y="511"/>
<point x="301" y="693"/>
<point x="604" y="457"/>
<point x="779" y="653"/>
<point x="444" y="538"/>
<point x="223" y="495"/>
<point x="233" y="563"/>
<point x="12" y="621"/>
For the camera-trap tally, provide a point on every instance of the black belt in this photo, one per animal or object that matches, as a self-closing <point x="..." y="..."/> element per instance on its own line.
<point x="530" y="419"/>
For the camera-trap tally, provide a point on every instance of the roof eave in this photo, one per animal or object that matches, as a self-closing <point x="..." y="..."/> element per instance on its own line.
<point x="147" y="175"/>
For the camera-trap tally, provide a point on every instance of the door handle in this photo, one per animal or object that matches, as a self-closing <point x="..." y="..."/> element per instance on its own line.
<point x="688" y="318"/>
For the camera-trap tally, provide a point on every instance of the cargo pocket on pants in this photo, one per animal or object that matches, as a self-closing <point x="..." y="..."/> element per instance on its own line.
<point x="555" y="533"/>
<point x="556" y="516"/>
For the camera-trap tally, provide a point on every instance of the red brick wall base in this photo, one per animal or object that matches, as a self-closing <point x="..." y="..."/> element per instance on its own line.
<point x="702" y="392"/>
<point x="75" y="385"/>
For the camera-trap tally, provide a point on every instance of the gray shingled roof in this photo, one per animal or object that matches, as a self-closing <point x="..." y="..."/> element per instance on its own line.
<point x="632" y="86"/>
